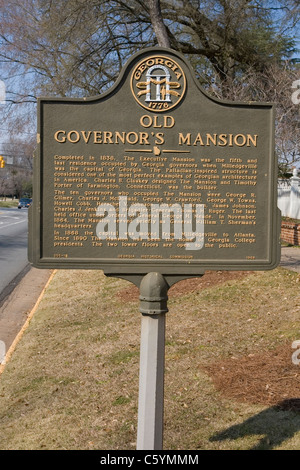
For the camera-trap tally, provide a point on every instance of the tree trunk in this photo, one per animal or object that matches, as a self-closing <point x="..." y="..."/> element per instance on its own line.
<point x="158" y="23"/>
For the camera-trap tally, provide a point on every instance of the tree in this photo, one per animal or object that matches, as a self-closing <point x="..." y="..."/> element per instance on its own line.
<point x="4" y="182"/>
<point x="78" y="47"/>
<point x="16" y="177"/>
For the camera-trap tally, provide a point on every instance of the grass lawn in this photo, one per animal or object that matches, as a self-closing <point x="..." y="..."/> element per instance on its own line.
<point x="230" y="382"/>
<point x="9" y="203"/>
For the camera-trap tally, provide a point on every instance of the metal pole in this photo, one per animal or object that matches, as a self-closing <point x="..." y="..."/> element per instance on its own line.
<point x="153" y="297"/>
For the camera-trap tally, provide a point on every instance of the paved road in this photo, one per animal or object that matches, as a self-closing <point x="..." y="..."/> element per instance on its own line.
<point x="13" y="244"/>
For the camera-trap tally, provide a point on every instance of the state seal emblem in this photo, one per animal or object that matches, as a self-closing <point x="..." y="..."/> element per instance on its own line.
<point x="158" y="83"/>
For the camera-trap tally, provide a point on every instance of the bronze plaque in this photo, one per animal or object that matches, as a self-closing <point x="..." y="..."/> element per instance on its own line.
<point x="155" y="175"/>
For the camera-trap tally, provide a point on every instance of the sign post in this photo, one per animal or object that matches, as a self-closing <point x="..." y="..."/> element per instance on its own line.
<point x="153" y="306"/>
<point x="154" y="181"/>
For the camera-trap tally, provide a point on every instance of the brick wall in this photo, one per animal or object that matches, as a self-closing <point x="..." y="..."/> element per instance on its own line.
<point x="290" y="233"/>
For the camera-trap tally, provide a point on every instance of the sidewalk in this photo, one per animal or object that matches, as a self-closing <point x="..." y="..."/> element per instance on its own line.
<point x="290" y="258"/>
<point x="19" y="303"/>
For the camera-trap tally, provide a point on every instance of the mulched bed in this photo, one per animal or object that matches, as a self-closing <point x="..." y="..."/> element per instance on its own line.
<point x="269" y="378"/>
<point x="209" y="279"/>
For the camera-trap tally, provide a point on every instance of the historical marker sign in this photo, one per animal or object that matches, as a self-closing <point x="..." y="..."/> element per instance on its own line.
<point x="155" y="175"/>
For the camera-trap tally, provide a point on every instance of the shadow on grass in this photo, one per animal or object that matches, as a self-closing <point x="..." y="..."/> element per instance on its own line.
<point x="275" y="424"/>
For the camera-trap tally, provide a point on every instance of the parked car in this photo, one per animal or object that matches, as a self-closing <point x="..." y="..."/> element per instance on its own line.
<point x="24" y="202"/>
